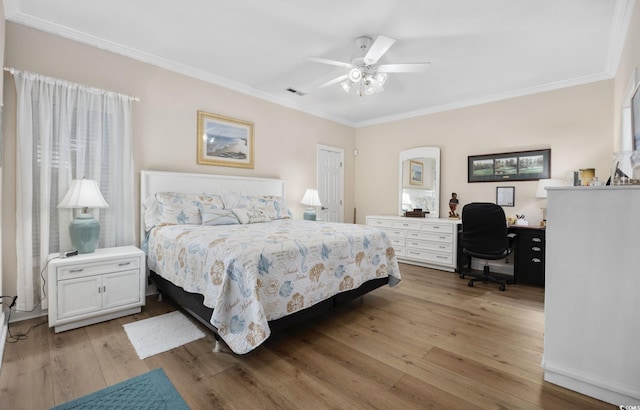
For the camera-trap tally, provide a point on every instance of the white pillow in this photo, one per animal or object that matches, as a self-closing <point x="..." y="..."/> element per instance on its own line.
<point x="218" y="217"/>
<point x="250" y="215"/>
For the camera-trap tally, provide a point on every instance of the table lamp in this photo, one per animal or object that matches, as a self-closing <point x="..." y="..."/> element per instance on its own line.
<point x="311" y="199"/>
<point x="541" y="192"/>
<point x="84" y="230"/>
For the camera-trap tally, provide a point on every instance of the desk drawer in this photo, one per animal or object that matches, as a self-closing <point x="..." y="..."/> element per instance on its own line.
<point x="90" y="269"/>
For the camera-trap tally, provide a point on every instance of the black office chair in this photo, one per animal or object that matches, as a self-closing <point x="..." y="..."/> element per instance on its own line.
<point x="485" y="236"/>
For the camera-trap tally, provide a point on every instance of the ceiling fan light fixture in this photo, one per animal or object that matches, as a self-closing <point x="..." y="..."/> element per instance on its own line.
<point x="355" y="75"/>
<point x="346" y="86"/>
<point x="380" y="78"/>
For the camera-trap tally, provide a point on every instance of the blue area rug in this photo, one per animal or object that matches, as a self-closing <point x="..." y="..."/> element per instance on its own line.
<point x="152" y="390"/>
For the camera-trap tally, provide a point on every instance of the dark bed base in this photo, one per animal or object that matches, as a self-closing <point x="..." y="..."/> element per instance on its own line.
<point x="192" y="303"/>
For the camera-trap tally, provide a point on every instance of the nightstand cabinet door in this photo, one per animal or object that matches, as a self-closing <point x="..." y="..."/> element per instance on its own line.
<point x="95" y="287"/>
<point x="79" y="296"/>
<point x="122" y="288"/>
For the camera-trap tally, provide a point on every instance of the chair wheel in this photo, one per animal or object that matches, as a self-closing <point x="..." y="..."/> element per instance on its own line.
<point x="502" y="288"/>
<point x="462" y="276"/>
<point x="470" y="284"/>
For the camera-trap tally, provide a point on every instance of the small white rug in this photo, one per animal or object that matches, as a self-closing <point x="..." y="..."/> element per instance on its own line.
<point x="161" y="333"/>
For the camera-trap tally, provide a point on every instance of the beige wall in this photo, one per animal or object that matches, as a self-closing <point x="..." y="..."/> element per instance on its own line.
<point x="164" y="122"/>
<point x="576" y="123"/>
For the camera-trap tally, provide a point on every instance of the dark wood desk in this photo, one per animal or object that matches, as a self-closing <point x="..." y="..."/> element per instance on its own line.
<point x="530" y="255"/>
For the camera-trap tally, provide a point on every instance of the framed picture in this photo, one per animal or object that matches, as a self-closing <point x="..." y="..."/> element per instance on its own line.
<point x="225" y="141"/>
<point x="416" y="170"/>
<point x="506" y="195"/>
<point x="635" y="118"/>
<point x="510" y="166"/>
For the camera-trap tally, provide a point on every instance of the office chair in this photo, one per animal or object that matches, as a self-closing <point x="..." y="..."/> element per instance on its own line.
<point x="485" y="236"/>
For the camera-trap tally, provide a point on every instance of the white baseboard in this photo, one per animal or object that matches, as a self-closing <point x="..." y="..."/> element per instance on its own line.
<point x="4" y="330"/>
<point x="598" y="388"/>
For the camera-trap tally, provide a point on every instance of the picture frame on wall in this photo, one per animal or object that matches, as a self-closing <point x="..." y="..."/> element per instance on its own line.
<point x="635" y="118"/>
<point x="506" y="195"/>
<point x="225" y="141"/>
<point x="509" y="166"/>
<point x="416" y="172"/>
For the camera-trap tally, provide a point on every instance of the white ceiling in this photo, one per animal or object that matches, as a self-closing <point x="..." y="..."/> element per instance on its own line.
<point x="480" y="50"/>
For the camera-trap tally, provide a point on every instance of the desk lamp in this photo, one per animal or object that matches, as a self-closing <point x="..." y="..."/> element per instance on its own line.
<point x="84" y="230"/>
<point x="311" y="199"/>
<point x="541" y="192"/>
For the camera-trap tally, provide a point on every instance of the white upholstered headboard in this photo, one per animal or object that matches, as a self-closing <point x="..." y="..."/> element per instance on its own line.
<point x="162" y="181"/>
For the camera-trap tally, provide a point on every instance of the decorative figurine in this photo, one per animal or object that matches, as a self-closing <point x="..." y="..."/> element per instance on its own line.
<point x="453" y="204"/>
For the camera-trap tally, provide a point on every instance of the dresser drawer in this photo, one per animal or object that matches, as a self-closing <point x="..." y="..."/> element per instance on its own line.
<point x="436" y="227"/>
<point x="380" y="223"/>
<point x="424" y="255"/>
<point x="90" y="269"/>
<point x="433" y="246"/>
<point x="429" y="236"/>
<point x="396" y="241"/>
<point x="399" y="233"/>
<point x="415" y="226"/>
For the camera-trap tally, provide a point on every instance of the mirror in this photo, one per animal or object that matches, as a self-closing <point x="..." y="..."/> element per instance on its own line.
<point x="420" y="180"/>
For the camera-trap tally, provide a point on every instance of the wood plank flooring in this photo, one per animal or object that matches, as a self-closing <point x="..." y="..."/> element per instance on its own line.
<point x="430" y="342"/>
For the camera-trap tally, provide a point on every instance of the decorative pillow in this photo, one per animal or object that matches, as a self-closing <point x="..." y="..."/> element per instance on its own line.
<point x="250" y="215"/>
<point x="233" y="200"/>
<point x="275" y="207"/>
<point x="176" y="208"/>
<point x="218" y="217"/>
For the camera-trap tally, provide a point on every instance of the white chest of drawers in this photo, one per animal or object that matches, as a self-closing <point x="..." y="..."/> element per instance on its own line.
<point x="94" y="287"/>
<point x="421" y="241"/>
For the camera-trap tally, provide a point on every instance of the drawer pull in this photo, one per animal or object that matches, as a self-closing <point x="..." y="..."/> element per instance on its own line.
<point x="442" y="237"/>
<point x="442" y="247"/>
<point x="436" y="227"/>
<point x="536" y="240"/>
<point x="442" y="257"/>
<point x="124" y="263"/>
<point x="536" y="249"/>
<point x="75" y="270"/>
<point x="536" y="260"/>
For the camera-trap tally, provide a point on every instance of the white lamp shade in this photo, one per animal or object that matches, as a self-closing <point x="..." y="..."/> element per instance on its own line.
<point x="83" y="193"/>
<point x="541" y="192"/>
<point x="311" y="198"/>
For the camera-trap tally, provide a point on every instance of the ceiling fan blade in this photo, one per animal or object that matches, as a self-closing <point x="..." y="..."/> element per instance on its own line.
<point x="334" y="81"/>
<point x="327" y="61"/>
<point x="403" y="68"/>
<point x="378" y="48"/>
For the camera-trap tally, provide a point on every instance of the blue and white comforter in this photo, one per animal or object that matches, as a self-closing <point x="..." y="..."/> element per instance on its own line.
<point x="250" y="274"/>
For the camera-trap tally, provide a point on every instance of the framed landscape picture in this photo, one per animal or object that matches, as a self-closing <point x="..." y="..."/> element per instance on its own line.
<point x="225" y="141"/>
<point x="510" y="166"/>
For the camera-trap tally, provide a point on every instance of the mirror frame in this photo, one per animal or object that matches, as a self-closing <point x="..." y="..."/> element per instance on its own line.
<point x="422" y="152"/>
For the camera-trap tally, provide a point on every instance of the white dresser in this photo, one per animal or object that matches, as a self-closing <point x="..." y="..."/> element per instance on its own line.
<point x="430" y="242"/>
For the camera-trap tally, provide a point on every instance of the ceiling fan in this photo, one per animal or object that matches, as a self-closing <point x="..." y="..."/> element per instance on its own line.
<point x="364" y="76"/>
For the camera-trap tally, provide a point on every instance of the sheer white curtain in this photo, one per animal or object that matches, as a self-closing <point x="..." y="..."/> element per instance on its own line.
<point x="67" y="131"/>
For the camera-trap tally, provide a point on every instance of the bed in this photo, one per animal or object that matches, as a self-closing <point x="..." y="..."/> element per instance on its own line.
<point x="228" y="251"/>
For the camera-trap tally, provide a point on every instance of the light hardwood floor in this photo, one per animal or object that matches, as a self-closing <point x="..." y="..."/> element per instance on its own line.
<point x="430" y="342"/>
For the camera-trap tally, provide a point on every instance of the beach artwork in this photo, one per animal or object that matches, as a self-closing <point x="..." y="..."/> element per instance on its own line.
<point x="225" y="141"/>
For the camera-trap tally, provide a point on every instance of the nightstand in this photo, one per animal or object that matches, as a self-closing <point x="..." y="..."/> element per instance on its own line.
<point x="95" y="287"/>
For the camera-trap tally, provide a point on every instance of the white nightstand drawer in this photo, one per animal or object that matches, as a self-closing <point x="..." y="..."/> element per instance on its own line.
<point x="89" y="269"/>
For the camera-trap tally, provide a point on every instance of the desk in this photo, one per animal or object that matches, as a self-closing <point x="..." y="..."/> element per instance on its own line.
<point x="529" y="258"/>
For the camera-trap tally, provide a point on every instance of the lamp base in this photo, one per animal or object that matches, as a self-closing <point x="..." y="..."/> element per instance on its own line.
<point x="309" y="214"/>
<point x="84" y="231"/>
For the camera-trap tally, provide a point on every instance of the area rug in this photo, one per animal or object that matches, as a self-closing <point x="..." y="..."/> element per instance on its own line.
<point x="152" y="390"/>
<point x="161" y="333"/>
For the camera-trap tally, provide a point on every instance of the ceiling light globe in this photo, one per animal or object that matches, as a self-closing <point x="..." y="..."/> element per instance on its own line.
<point x="346" y="86"/>
<point x="355" y="75"/>
<point x="381" y="78"/>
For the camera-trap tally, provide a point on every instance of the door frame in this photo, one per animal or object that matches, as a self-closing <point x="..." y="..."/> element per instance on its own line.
<point x="340" y="151"/>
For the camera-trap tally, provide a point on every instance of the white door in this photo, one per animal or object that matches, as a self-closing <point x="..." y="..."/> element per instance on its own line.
<point x="331" y="183"/>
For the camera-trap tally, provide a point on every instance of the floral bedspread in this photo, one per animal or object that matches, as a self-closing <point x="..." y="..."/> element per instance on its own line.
<point x="250" y="274"/>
